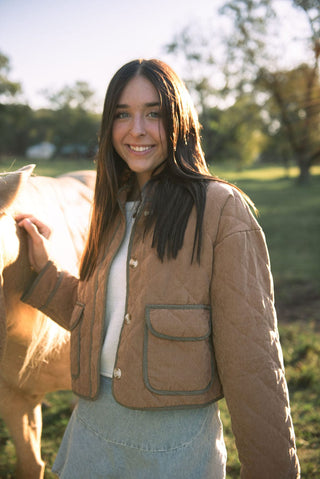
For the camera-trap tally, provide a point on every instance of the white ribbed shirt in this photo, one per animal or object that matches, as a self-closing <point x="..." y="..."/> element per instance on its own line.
<point x="116" y="298"/>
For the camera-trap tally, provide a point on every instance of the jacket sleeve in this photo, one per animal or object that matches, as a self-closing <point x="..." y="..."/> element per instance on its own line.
<point x="247" y="347"/>
<point x="54" y="293"/>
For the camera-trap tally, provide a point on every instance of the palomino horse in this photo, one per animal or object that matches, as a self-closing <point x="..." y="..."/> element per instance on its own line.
<point x="34" y="351"/>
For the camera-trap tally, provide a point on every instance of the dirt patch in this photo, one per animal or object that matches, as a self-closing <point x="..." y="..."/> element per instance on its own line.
<point x="298" y="301"/>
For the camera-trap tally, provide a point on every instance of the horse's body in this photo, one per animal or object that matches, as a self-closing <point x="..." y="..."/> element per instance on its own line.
<point x="34" y="351"/>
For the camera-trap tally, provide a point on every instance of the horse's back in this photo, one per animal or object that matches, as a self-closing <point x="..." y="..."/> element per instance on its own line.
<point x="64" y="203"/>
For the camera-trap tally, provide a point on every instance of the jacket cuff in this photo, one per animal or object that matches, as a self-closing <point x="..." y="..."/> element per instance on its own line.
<point x="42" y="289"/>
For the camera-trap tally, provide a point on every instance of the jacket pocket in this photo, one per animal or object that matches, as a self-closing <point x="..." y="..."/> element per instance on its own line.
<point x="178" y="350"/>
<point x="75" y="339"/>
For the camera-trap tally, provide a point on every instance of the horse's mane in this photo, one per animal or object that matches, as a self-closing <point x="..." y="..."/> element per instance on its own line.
<point x="47" y="340"/>
<point x="75" y="190"/>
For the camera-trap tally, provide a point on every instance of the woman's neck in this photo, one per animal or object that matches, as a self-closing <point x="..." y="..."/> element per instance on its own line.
<point x="134" y="194"/>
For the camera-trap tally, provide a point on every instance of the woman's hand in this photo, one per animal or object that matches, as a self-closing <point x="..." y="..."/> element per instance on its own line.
<point x="38" y="234"/>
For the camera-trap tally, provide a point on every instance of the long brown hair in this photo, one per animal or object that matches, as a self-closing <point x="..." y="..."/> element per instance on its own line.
<point x="179" y="185"/>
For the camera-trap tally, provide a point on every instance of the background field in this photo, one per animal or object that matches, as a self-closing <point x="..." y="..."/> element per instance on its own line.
<point x="290" y="217"/>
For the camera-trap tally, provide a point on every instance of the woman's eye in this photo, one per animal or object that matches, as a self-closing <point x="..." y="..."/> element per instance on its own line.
<point x="154" y="114"/>
<point x="121" y="114"/>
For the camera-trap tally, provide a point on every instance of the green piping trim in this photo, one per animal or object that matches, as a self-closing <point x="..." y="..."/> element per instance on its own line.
<point x="80" y="307"/>
<point x="165" y="408"/>
<point x="76" y="336"/>
<point x="156" y="333"/>
<point x="27" y="295"/>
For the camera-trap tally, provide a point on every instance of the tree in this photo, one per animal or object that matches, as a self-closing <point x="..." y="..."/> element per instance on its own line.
<point x="74" y="127"/>
<point x="233" y="133"/>
<point x="295" y="103"/>
<point x="15" y="121"/>
<point x="78" y="95"/>
<point x="8" y="88"/>
<point x="295" y="92"/>
<point x="250" y="62"/>
<point x="194" y="50"/>
<point x="13" y="117"/>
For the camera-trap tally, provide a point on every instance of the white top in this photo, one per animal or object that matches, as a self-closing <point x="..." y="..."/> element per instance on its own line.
<point x="116" y="298"/>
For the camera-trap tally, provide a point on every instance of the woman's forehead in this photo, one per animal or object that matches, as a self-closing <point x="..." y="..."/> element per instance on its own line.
<point x="139" y="90"/>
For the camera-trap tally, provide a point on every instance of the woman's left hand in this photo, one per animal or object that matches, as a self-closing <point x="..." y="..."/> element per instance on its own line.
<point x="38" y="234"/>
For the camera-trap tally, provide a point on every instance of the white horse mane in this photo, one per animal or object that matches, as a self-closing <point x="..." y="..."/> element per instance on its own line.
<point x="47" y="340"/>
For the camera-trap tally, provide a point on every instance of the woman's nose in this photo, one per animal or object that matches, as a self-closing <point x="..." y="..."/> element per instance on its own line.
<point x="138" y="126"/>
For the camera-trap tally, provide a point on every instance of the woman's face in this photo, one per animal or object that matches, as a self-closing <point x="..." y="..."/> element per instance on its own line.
<point x="138" y="133"/>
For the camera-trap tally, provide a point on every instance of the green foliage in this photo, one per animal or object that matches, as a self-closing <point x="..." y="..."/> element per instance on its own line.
<point x="75" y="126"/>
<point x="56" y="413"/>
<point x="21" y="127"/>
<point x="251" y="59"/>
<point x="301" y="348"/>
<point x="70" y="125"/>
<point x="15" y="121"/>
<point x="302" y="357"/>
<point x="294" y="104"/>
<point x="78" y="95"/>
<point x="8" y="88"/>
<point x="234" y="133"/>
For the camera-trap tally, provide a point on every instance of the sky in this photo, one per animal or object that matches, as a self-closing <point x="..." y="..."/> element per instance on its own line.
<point x="53" y="43"/>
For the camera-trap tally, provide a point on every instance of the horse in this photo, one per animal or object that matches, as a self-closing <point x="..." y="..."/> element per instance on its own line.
<point x="34" y="351"/>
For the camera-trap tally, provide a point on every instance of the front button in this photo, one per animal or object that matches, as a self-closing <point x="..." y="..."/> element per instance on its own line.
<point x="117" y="373"/>
<point x="133" y="263"/>
<point x="127" y="318"/>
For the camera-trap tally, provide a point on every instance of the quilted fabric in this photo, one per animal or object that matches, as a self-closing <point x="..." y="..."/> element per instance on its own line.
<point x="243" y="358"/>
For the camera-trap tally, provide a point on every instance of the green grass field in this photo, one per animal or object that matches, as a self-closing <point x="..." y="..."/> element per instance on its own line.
<point x="290" y="217"/>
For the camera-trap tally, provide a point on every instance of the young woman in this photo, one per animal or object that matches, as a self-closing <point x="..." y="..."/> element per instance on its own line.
<point x="173" y="308"/>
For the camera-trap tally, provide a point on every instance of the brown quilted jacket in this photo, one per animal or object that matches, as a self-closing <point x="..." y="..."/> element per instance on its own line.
<point x="191" y="333"/>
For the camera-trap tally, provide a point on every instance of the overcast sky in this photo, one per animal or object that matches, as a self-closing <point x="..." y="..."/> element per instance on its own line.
<point x="53" y="43"/>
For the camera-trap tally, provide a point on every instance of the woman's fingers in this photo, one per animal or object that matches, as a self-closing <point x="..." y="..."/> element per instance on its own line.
<point x="33" y="225"/>
<point x="21" y="216"/>
<point x="32" y="229"/>
<point x="38" y="233"/>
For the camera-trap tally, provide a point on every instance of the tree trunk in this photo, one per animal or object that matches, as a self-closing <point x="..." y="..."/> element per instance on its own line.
<point x="304" y="174"/>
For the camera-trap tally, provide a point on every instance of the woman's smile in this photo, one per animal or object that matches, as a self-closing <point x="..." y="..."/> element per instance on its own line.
<point x="140" y="149"/>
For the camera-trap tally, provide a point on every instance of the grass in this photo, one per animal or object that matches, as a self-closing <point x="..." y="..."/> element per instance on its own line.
<point x="290" y="217"/>
<point x="55" y="167"/>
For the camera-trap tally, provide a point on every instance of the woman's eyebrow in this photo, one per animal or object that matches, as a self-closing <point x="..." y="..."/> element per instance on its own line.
<point x="149" y="104"/>
<point x="153" y="103"/>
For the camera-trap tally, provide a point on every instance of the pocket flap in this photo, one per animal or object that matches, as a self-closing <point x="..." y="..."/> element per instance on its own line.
<point x="76" y="315"/>
<point x="179" y="322"/>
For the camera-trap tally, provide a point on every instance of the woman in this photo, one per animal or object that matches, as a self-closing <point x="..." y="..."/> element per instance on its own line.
<point x="174" y="306"/>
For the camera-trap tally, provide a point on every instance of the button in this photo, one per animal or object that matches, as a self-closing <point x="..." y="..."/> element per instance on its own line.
<point x="127" y="318"/>
<point x="117" y="373"/>
<point x="133" y="263"/>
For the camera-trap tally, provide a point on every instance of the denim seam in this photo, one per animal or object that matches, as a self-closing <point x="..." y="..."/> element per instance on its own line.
<point x="142" y="449"/>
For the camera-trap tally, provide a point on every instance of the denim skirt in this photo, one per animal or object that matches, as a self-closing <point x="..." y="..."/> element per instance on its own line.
<point x="106" y="440"/>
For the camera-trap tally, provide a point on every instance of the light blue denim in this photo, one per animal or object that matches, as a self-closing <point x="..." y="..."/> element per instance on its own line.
<point x="106" y="440"/>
